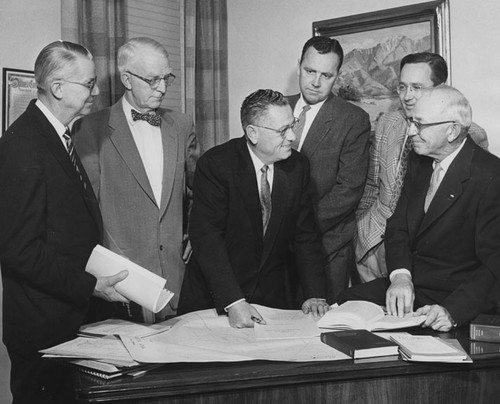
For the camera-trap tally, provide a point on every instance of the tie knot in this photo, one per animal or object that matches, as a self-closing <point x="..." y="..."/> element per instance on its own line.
<point x="306" y="108"/>
<point x="264" y="169"/>
<point x="150" y="117"/>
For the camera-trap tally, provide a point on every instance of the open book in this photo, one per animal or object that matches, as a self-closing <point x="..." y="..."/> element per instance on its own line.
<point x="141" y="286"/>
<point x="357" y="314"/>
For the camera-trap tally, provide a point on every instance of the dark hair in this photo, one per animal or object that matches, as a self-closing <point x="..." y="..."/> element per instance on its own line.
<point x="56" y="60"/>
<point x="256" y="104"/>
<point x="323" y="45"/>
<point x="439" y="68"/>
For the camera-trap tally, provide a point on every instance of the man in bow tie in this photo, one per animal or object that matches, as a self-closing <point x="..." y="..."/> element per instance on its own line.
<point x="140" y="158"/>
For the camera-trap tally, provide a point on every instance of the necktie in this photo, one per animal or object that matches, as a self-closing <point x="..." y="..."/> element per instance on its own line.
<point x="72" y="155"/>
<point x="265" y="198"/>
<point x="299" y="127"/>
<point x="434" y="185"/>
<point x="150" y="117"/>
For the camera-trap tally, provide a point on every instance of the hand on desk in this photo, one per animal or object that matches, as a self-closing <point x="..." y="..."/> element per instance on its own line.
<point x="318" y="307"/>
<point x="438" y="318"/>
<point x="400" y="296"/>
<point x="105" y="287"/>
<point x="244" y="315"/>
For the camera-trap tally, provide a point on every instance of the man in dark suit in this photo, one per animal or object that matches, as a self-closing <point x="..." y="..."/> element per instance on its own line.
<point x="333" y="134"/>
<point x="140" y="159"/>
<point x="442" y="240"/>
<point x="50" y="222"/>
<point x="251" y="202"/>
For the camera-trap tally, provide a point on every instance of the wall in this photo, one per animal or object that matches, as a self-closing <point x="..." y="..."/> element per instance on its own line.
<point x="266" y="38"/>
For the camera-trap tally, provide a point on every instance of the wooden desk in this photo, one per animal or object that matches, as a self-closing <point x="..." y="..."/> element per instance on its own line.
<point x="347" y="381"/>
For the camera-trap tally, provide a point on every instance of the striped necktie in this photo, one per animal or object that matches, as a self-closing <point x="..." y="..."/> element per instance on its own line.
<point x="299" y="127"/>
<point x="434" y="185"/>
<point x="72" y="155"/>
<point x="265" y="198"/>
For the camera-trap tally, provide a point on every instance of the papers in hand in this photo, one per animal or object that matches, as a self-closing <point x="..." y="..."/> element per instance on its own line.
<point x="141" y="286"/>
<point x="357" y="314"/>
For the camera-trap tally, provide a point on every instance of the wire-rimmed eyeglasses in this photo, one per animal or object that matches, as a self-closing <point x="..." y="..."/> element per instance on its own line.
<point x="282" y="131"/>
<point x="155" y="81"/>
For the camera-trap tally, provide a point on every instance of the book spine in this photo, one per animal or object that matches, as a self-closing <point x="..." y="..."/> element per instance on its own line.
<point x="337" y="344"/>
<point x="486" y="333"/>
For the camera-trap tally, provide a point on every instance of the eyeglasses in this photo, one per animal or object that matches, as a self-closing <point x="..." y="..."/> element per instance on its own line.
<point x="155" y="81"/>
<point x="421" y="126"/>
<point x="283" y="131"/>
<point x="415" y="89"/>
<point x="90" y="85"/>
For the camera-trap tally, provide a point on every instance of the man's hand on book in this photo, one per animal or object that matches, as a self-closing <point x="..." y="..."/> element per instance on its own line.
<point x="438" y="318"/>
<point x="318" y="307"/>
<point x="400" y="296"/>
<point x="105" y="287"/>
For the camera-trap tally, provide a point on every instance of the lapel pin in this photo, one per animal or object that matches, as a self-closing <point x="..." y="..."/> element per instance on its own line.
<point x="452" y="196"/>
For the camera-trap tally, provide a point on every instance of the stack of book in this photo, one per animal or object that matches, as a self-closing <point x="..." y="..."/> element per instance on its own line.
<point x="359" y="343"/>
<point x="426" y="348"/>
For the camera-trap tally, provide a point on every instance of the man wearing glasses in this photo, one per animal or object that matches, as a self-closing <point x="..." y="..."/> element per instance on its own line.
<point x="49" y="224"/>
<point x="140" y="159"/>
<point x="251" y="203"/>
<point x="442" y="240"/>
<point x="388" y="156"/>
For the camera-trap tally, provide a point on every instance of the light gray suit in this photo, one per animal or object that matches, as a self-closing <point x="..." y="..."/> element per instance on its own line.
<point x="134" y="225"/>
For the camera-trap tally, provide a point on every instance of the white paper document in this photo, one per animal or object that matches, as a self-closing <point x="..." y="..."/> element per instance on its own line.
<point x="141" y="286"/>
<point x="203" y="336"/>
<point x="115" y="326"/>
<point x="287" y="324"/>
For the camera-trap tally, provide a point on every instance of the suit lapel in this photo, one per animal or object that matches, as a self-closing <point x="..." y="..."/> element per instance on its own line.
<point x="170" y="143"/>
<point x="121" y="137"/>
<point x="451" y="187"/>
<point x="246" y="182"/>
<point x="279" y="198"/>
<point x="320" y="127"/>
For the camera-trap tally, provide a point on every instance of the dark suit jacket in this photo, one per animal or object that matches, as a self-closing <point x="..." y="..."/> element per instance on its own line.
<point x="49" y="225"/>
<point x="453" y="250"/>
<point x="337" y="148"/>
<point x="231" y="259"/>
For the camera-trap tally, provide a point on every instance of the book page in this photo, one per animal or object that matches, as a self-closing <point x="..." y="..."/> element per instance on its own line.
<point x="141" y="286"/>
<point x="355" y="314"/>
<point x="388" y="322"/>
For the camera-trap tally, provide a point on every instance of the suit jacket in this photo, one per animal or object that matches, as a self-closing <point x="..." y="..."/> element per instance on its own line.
<point x="49" y="225"/>
<point x="337" y="148"/>
<point x="382" y="192"/>
<point x="134" y="225"/>
<point x="452" y="251"/>
<point x="231" y="258"/>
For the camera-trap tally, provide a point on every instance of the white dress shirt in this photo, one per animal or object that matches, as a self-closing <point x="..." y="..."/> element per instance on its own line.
<point x="58" y="126"/>
<point x="310" y="115"/>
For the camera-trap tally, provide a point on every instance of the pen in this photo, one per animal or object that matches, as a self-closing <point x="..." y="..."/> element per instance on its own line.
<point x="256" y="320"/>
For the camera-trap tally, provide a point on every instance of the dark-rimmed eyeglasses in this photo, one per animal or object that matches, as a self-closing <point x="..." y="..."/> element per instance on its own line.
<point x="416" y="89"/>
<point x="90" y="84"/>
<point x="282" y="131"/>
<point x="155" y="81"/>
<point x="421" y="126"/>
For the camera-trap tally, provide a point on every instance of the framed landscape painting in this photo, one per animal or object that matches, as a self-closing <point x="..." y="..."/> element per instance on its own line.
<point x="374" y="44"/>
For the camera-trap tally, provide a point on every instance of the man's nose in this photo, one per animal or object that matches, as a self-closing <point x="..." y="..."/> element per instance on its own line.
<point x="95" y="91"/>
<point x="316" y="80"/>
<point x="290" y="135"/>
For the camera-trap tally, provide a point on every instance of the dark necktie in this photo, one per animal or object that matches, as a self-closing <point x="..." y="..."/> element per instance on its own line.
<point x="265" y="198"/>
<point x="72" y="155"/>
<point x="150" y="117"/>
<point x="433" y="186"/>
<point x="299" y="127"/>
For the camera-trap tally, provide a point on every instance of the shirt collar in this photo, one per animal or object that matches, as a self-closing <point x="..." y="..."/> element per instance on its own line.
<point x="58" y="126"/>
<point x="446" y="162"/>
<point x="301" y="103"/>
<point x="257" y="162"/>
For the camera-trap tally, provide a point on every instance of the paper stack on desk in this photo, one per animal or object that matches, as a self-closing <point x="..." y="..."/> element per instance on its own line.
<point x="426" y="348"/>
<point x="141" y="286"/>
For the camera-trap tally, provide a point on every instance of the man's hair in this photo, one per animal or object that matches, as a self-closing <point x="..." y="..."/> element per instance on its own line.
<point x="439" y="68"/>
<point x="455" y="106"/>
<point x="127" y="51"/>
<point x="56" y="61"/>
<point x="323" y="45"/>
<point x="256" y="105"/>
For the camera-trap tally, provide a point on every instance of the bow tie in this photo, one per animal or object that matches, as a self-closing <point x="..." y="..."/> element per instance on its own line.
<point x="150" y="117"/>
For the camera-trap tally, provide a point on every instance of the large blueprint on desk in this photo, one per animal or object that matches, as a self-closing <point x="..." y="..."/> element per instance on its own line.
<point x="204" y="336"/>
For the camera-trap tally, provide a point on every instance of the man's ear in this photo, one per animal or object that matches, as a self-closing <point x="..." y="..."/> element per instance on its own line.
<point x="56" y="89"/>
<point x="125" y="77"/>
<point x="252" y="134"/>
<point x="453" y="132"/>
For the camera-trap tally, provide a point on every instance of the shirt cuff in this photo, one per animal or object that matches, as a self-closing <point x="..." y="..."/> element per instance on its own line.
<point x="232" y="304"/>
<point x="399" y="271"/>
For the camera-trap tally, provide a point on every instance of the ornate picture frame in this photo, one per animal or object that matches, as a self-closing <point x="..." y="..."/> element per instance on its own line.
<point x="374" y="44"/>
